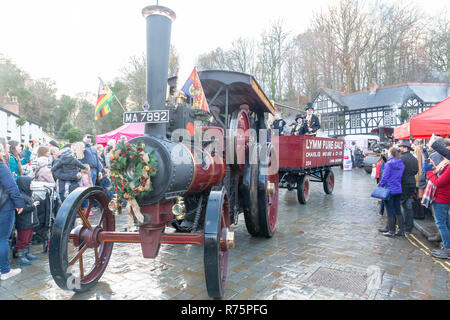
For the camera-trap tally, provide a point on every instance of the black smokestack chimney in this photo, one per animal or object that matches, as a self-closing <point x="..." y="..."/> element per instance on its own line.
<point x="159" y="26"/>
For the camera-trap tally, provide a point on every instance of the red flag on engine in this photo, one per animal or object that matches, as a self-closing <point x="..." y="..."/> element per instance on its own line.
<point x="193" y="88"/>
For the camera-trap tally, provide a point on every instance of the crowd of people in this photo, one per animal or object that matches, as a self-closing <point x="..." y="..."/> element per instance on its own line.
<point x="418" y="173"/>
<point x="66" y="168"/>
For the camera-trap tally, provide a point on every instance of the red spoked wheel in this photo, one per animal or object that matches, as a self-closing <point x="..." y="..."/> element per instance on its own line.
<point x="77" y="260"/>
<point x="217" y="241"/>
<point x="268" y="192"/>
<point x="303" y="189"/>
<point x="328" y="182"/>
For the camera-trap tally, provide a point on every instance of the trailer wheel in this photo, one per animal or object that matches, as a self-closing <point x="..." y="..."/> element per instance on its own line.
<point x="328" y="182"/>
<point x="303" y="189"/>
<point x="217" y="224"/>
<point x="77" y="260"/>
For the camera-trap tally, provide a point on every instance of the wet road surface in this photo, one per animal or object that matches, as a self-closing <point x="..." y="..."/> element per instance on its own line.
<point x="327" y="249"/>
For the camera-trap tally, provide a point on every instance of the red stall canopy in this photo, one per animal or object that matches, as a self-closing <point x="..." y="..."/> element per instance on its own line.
<point x="129" y="131"/>
<point x="402" y="132"/>
<point x="434" y="120"/>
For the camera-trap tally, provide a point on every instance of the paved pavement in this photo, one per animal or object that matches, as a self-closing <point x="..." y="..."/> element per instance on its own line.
<point x="327" y="249"/>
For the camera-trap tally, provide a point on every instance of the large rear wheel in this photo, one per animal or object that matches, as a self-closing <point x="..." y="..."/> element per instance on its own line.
<point x="250" y="195"/>
<point x="268" y="192"/>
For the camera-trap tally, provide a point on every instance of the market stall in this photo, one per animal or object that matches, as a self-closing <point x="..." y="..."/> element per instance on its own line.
<point x="128" y="131"/>
<point x="434" y="120"/>
<point x="402" y="132"/>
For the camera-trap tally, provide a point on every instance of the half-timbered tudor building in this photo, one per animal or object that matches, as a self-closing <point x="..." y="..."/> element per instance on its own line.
<point x="362" y="112"/>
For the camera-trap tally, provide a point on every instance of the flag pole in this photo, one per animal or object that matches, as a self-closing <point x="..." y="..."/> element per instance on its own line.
<point x="120" y="103"/>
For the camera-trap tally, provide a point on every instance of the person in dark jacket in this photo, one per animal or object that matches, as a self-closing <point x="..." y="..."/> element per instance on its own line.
<point x="92" y="159"/>
<point x="67" y="166"/>
<point x="278" y="124"/>
<point x="392" y="180"/>
<point x="299" y="128"/>
<point x="311" y="123"/>
<point x="26" y="221"/>
<point x="13" y="201"/>
<point x="408" y="185"/>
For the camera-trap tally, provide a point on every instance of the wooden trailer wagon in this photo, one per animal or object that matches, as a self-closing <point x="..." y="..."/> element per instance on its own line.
<point x="305" y="159"/>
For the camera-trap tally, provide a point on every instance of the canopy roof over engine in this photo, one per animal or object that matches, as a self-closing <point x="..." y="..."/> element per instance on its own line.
<point x="242" y="89"/>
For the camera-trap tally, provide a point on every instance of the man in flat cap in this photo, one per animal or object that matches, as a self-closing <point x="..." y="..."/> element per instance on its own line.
<point x="311" y="122"/>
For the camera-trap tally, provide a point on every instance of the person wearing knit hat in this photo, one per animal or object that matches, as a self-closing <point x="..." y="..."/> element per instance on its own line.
<point x="67" y="170"/>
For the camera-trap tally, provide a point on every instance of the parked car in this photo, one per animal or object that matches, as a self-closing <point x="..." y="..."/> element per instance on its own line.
<point x="372" y="158"/>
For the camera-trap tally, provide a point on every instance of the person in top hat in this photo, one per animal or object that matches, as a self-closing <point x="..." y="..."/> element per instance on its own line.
<point x="408" y="184"/>
<point x="311" y="122"/>
<point x="299" y="127"/>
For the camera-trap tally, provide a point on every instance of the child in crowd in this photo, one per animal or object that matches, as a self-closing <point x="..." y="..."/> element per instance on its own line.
<point x="42" y="172"/>
<point x="67" y="165"/>
<point x="25" y="222"/>
<point x="86" y="179"/>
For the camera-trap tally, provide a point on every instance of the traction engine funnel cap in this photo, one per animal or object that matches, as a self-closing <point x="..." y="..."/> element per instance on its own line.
<point x="164" y="11"/>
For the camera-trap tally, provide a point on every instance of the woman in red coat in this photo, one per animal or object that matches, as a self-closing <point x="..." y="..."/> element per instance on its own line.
<point x="441" y="204"/>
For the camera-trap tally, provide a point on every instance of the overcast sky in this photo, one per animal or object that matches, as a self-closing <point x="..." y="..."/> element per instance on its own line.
<point x="73" y="42"/>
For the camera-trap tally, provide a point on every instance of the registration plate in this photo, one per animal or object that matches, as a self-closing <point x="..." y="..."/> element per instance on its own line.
<point x="155" y="116"/>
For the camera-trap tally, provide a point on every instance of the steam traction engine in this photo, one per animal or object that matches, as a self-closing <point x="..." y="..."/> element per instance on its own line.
<point x="198" y="188"/>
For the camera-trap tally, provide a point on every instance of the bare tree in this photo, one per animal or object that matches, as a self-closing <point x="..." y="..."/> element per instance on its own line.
<point x="242" y="55"/>
<point x="273" y="47"/>
<point x="437" y="46"/>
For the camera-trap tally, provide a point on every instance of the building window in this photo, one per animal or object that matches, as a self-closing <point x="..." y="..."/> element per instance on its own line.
<point x="388" y="118"/>
<point x="355" y="120"/>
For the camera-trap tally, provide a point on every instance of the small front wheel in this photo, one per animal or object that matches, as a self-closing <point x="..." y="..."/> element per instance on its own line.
<point x="216" y="243"/>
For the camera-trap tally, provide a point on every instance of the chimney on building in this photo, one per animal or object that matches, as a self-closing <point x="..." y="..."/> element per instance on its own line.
<point x="373" y="88"/>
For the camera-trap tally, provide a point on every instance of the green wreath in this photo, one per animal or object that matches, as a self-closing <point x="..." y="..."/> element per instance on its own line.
<point x="144" y="163"/>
